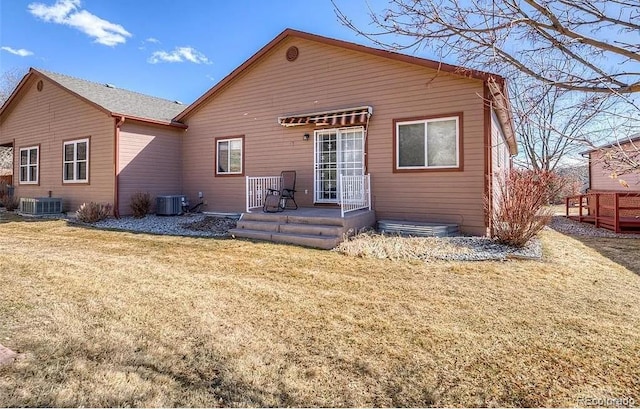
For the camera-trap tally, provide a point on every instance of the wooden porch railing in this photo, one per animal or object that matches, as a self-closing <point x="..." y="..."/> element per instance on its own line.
<point x="611" y="210"/>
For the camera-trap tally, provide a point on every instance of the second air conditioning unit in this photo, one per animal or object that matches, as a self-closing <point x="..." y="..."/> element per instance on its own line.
<point x="170" y="205"/>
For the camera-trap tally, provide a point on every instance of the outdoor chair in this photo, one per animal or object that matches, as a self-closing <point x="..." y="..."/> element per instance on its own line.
<point x="278" y="200"/>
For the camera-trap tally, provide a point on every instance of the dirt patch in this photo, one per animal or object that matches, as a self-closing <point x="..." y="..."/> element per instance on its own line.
<point x="214" y="224"/>
<point x="7" y="356"/>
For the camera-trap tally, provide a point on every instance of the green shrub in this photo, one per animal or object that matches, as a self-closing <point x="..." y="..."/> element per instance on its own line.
<point x="10" y="203"/>
<point x="93" y="212"/>
<point x="140" y="204"/>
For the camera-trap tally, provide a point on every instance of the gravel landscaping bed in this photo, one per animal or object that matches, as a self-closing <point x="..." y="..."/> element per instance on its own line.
<point x="484" y="248"/>
<point x="198" y="225"/>
<point x="432" y="248"/>
<point x="460" y="248"/>
<point x="567" y="226"/>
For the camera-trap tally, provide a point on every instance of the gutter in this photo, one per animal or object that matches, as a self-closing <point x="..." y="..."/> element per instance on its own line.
<point x="172" y="123"/>
<point x="116" y="165"/>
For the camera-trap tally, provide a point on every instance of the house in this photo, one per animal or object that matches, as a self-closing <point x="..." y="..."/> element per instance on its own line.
<point x="612" y="200"/>
<point x="600" y="178"/>
<point x="411" y="138"/>
<point x="84" y="141"/>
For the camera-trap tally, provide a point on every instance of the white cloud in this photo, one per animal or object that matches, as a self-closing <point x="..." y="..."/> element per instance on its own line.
<point x="68" y="12"/>
<point x="21" y="52"/>
<point x="179" y="54"/>
<point x="152" y="40"/>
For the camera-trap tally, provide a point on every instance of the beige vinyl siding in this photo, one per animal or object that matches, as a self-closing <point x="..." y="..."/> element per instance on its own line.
<point x="50" y="117"/>
<point x="600" y="179"/>
<point x="500" y="158"/>
<point x="326" y="77"/>
<point x="149" y="160"/>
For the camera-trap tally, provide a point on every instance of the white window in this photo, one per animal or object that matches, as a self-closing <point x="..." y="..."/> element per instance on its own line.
<point x="426" y="144"/>
<point x="229" y="156"/>
<point x="76" y="161"/>
<point x="29" y="160"/>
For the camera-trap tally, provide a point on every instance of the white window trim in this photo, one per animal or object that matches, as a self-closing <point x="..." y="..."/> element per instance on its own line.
<point x="229" y="140"/>
<point x="426" y="149"/>
<point x="28" y="165"/>
<point x="75" y="161"/>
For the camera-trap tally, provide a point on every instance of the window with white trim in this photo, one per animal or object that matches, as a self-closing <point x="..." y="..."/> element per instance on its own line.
<point x="428" y="143"/>
<point x="29" y="165"/>
<point x="229" y="156"/>
<point x="75" y="168"/>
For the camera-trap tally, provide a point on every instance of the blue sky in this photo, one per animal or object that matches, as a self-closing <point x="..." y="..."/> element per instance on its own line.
<point x="171" y="49"/>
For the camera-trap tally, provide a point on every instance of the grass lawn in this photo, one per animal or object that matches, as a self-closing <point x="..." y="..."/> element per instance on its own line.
<point x="119" y="319"/>
<point x="623" y="251"/>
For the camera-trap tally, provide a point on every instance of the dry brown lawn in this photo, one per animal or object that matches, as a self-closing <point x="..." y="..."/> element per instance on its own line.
<point x="118" y="319"/>
<point x="625" y="251"/>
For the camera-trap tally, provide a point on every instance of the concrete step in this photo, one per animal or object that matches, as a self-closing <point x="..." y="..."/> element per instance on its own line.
<point x="258" y="225"/>
<point x="311" y="229"/>
<point x="293" y="228"/>
<point x="288" y="218"/>
<point x="264" y="217"/>
<point x="315" y="241"/>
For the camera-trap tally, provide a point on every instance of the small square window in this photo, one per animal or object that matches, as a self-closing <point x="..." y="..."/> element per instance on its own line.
<point x="426" y="144"/>
<point x="230" y="156"/>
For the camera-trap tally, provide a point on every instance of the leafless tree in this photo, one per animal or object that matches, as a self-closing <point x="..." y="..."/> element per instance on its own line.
<point x="586" y="46"/>
<point x="554" y="124"/>
<point x="9" y="80"/>
<point x="622" y="158"/>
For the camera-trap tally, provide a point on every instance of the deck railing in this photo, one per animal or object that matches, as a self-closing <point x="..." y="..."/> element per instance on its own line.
<point x="355" y="193"/>
<point x="257" y="189"/>
<point x="611" y="210"/>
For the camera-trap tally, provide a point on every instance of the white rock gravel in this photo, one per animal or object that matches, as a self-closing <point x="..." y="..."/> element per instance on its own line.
<point x="478" y="248"/>
<point x="197" y="225"/>
<point x="567" y="226"/>
<point x="484" y="248"/>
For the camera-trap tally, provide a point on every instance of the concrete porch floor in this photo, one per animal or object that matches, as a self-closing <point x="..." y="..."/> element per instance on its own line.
<point x="314" y="212"/>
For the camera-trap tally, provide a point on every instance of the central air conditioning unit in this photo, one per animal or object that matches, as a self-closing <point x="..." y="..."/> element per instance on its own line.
<point x="40" y="205"/>
<point x="171" y="205"/>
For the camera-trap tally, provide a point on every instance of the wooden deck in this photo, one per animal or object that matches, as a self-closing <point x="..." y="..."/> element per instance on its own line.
<point x="616" y="211"/>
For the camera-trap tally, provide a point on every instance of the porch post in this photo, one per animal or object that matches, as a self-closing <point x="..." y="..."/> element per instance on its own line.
<point x="246" y="194"/>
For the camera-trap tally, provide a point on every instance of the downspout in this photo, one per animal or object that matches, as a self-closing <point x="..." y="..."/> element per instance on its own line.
<point x="116" y="160"/>
<point x="488" y="161"/>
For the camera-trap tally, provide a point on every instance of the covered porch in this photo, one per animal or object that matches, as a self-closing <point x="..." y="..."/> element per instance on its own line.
<point x="352" y="193"/>
<point x="314" y="226"/>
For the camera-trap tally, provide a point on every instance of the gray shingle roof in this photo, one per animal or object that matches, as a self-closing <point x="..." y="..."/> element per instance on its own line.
<point x="118" y="100"/>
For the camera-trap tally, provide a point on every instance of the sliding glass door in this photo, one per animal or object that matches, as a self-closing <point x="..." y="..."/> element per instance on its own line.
<point x="337" y="152"/>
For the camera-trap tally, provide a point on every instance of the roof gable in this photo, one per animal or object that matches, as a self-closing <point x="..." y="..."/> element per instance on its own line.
<point x="630" y="140"/>
<point x="113" y="101"/>
<point x="435" y="65"/>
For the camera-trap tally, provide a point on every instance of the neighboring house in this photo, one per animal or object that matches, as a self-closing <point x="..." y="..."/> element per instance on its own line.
<point x="433" y="137"/>
<point x="84" y="141"/>
<point x="600" y="179"/>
